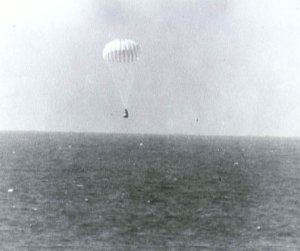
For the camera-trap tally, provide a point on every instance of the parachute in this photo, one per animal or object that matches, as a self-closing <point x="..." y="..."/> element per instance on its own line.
<point x="121" y="56"/>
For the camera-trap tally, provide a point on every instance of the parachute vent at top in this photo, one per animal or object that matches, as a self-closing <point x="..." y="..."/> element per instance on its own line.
<point x="121" y="51"/>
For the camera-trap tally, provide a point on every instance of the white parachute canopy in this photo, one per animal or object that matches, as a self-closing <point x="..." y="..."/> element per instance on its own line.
<point x="121" y="55"/>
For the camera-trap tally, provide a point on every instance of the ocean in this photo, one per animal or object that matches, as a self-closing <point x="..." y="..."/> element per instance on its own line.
<point x="76" y="191"/>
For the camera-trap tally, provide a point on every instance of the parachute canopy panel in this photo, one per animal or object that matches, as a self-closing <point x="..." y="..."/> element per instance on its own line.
<point x="121" y="51"/>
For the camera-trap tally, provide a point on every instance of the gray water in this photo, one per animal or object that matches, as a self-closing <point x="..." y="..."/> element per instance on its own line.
<point x="120" y="192"/>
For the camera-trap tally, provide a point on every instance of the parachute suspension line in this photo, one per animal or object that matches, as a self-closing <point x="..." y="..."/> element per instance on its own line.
<point x="123" y="78"/>
<point x="130" y="85"/>
<point x="116" y="83"/>
<point x="119" y="90"/>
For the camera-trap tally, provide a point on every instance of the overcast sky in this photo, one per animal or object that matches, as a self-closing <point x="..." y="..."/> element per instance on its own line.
<point x="210" y="67"/>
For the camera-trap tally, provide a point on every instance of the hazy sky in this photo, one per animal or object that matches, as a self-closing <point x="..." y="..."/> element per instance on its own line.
<point x="207" y="67"/>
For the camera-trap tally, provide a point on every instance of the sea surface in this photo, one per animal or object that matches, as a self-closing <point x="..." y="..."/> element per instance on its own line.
<point x="72" y="191"/>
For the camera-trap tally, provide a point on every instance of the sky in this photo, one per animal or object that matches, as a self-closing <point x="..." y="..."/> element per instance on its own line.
<point x="207" y="67"/>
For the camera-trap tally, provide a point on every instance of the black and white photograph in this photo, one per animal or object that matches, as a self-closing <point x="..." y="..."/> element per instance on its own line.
<point x="149" y="125"/>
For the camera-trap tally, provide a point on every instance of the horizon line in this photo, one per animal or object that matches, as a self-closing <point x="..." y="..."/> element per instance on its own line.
<point x="148" y="134"/>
